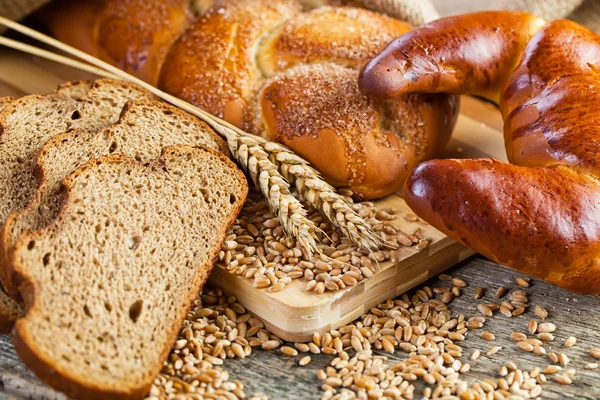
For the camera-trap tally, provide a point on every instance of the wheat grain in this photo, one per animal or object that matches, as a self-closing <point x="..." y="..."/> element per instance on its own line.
<point x="545" y="336"/>
<point x="594" y="352"/>
<point x="288" y="351"/>
<point x="546" y="327"/>
<point x="563" y="379"/>
<point x="500" y="292"/>
<point x="532" y="326"/>
<point x="525" y="346"/>
<point x="458" y="282"/>
<point x="485" y="310"/>
<point x="541" y="312"/>
<point x="563" y="359"/>
<point x="523" y="282"/>
<point x="304" y="361"/>
<point x="552" y="369"/>
<point x="257" y="248"/>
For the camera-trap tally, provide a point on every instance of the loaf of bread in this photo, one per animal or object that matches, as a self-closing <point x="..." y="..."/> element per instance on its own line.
<point x="275" y="68"/>
<point x="143" y="130"/>
<point x="540" y="214"/>
<point x="107" y="285"/>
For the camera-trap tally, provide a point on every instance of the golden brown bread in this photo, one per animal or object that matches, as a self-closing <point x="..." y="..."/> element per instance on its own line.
<point x="541" y="216"/>
<point x="249" y="61"/>
<point x="550" y="105"/>
<point x="473" y="53"/>
<point x="131" y="34"/>
<point x="220" y="78"/>
<point x="402" y="131"/>
<point x="542" y="221"/>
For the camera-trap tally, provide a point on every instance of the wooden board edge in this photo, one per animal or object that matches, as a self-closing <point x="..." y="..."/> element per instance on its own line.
<point x="287" y="324"/>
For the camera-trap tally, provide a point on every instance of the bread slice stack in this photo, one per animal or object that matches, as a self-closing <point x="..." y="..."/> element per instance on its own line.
<point x="108" y="262"/>
<point x="28" y="123"/>
<point x="143" y="130"/>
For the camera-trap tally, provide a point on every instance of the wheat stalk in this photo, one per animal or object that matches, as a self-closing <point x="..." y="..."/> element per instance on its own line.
<point x="267" y="163"/>
<point x="253" y="158"/>
<point x="323" y="197"/>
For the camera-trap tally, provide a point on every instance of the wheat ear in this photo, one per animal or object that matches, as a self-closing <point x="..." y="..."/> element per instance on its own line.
<point x="322" y="196"/>
<point x="253" y="158"/>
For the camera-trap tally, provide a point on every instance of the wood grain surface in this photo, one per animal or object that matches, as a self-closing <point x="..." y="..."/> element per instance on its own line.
<point x="280" y="377"/>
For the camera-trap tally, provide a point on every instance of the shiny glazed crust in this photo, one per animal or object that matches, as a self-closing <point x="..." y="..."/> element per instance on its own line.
<point x="235" y="55"/>
<point x="542" y="215"/>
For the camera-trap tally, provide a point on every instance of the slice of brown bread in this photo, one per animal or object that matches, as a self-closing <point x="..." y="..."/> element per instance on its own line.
<point x="10" y="311"/>
<point x="72" y="90"/>
<point x="107" y="284"/>
<point x="143" y="130"/>
<point x="28" y="123"/>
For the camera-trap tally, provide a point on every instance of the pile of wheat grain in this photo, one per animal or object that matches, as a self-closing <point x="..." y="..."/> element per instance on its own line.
<point x="421" y="325"/>
<point x="258" y="248"/>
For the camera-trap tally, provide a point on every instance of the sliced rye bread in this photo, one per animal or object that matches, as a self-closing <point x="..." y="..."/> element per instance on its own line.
<point x="143" y="130"/>
<point x="107" y="284"/>
<point x="70" y="91"/>
<point x="10" y="310"/>
<point x="28" y="123"/>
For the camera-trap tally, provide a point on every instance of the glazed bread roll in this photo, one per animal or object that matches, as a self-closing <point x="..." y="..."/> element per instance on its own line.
<point x="286" y="70"/>
<point x="541" y="213"/>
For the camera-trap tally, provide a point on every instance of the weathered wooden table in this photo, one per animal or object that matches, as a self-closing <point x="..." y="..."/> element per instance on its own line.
<point x="280" y="377"/>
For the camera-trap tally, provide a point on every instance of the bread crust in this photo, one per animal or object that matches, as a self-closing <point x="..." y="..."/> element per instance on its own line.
<point x="550" y="103"/>
<point x="471" y="53"/>
<point x="8" y="239"/>
<point x="64" y="380"/>
<point x="220" y="78"/>
<point x="543" y="221"/>
<point x="356" y="141"/>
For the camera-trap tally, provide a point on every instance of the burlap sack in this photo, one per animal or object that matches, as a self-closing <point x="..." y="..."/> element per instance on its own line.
<point x="417" y="12"/>
<point x="585" y="12"/>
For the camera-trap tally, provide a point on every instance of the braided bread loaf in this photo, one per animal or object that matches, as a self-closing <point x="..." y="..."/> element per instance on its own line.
<point x="274" y="68"/>
<point x="540" y="214"/>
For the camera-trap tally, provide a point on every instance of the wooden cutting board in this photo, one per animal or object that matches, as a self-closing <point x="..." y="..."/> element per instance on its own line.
<point x="293" y="313"/>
